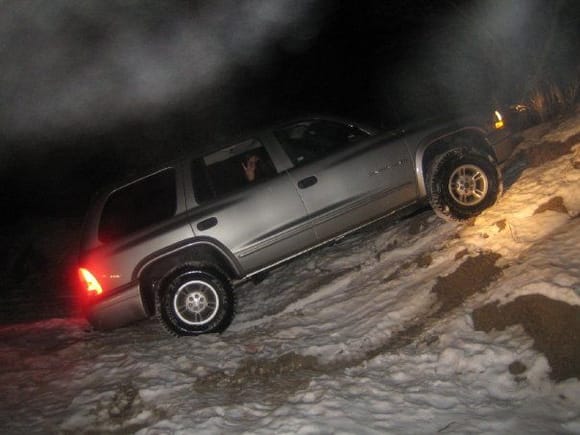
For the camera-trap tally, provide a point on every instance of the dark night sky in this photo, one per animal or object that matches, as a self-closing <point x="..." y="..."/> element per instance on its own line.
<point x="91" y="90"/>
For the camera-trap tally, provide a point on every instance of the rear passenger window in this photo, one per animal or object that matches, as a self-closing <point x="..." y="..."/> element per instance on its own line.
<point x="231" y="169"/>
<point x="145" y="202"/>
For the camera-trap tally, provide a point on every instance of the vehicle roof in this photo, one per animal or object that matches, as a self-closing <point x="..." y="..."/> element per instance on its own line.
<point x="146" y="171"/>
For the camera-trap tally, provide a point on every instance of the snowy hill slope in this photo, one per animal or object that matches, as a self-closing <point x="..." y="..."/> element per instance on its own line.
<point x="417" y="326"/>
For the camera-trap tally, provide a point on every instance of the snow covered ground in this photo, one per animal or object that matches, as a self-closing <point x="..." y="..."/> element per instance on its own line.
<point x="418" y="326"/>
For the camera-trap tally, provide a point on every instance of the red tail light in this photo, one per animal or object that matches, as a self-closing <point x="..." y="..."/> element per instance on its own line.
<point x="90" y="282"/>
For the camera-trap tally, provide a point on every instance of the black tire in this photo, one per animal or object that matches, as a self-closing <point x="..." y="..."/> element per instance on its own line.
<point x="462" y="183"/>
<point x="195" y="302"/>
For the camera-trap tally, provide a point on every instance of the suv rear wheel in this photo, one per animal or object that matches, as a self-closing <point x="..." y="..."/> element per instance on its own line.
<point x="196" y="302"/>
<point x="462" y="183"/>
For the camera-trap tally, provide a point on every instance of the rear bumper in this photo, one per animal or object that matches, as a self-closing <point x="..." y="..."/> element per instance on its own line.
<point x="118" y="310"/>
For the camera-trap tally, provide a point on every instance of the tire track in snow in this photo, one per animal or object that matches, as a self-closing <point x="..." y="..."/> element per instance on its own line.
<point x="294" y="370"/>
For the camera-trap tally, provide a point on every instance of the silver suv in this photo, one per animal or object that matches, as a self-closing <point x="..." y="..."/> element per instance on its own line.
<point x="176" y="241"/>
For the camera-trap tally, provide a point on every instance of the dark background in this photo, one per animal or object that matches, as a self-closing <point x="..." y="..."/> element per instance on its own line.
<point x="93" y="90"/>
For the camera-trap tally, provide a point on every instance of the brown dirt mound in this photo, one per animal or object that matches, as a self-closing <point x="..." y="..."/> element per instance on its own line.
<point x="554" y="204"/>
<point x="553" y="325"/>
<point x="472" y="276"/>
<point x="290" y="372"/>
<point x="548" y="151"/>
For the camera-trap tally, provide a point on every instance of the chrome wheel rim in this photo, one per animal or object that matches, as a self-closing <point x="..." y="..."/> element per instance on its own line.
<point x="196" y="303"/>
<point x="468" y="185"/>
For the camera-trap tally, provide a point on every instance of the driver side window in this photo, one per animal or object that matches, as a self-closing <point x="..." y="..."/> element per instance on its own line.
<point x="308" y="141"/>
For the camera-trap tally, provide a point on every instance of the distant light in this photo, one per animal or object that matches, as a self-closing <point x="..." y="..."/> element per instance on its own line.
<point x="90" y="282"/>
<point x="519" y="108"/>
<point x="498" y="120"/>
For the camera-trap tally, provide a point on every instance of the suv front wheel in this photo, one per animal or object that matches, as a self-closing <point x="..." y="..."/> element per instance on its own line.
<point x="196" y="302"/>
<point x="462" y="183"/>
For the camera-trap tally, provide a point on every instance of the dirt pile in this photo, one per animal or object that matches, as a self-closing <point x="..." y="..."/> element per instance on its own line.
<point x="472" y="276"/>
<point x="553" y="325"/>
<point x="555" y="204"/>
<point x="548" y="151"/>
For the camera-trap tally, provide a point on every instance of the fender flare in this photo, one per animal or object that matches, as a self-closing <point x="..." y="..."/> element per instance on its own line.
<point x="444" y="137"/>
<point x="149" y="271"/>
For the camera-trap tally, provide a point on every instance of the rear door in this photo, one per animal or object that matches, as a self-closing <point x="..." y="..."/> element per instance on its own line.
<point x="260" y="220"/>
<point x="346" y="178"/>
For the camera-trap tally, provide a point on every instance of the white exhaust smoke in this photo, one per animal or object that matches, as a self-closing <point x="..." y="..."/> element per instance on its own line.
<point x="85" y="65"/>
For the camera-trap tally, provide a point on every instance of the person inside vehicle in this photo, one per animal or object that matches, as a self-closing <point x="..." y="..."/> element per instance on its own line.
<point x="250" y="166"/>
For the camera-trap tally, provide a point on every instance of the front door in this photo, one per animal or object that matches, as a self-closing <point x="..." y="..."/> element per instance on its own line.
<point x="349" y="181"/>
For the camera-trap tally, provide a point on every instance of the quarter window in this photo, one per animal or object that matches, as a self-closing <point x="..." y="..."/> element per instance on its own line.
<point x="134" y="207"/>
